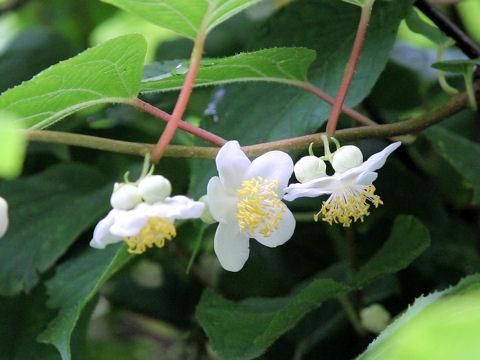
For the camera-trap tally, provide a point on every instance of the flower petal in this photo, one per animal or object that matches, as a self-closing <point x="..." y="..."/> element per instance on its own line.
<point x="185" y="207"/>
<point x="231" y="247"/>
<point x="273" y="165"/>
<point x="231" y="164"/>
<point x="102" y="235"/>
<point x="312" y="188"/>
<point x="130" y="222"/>
<point x="3" y="216"/>
<point x="374" y="162"/>
<point x="282" y="234"/>
<point x="221" y="202"/>
<point x="367" y="178"/>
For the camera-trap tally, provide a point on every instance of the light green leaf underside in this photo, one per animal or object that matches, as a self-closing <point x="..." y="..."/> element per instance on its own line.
<point x="73" y="285"/>
<point x="284" y="65"/>
<point x="12" y="146"/>
<point x="185" y="17"/>
<point x="110" y="72"/>
<point x="462" y="154"/>
<point x="243" y="330"/>
<point x="456" y="66"/>
<point x="443" y="325"/>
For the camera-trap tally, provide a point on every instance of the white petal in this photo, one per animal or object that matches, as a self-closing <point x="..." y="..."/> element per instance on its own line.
<point x="222" y="202"/>
<point x="273" y="165"/>
<point x="185" y="207"/>
<point x="312" y="188"/>
<point x="231" y="164"/>
<point x="102" y="235"/>
<point x="130" y="222"/>
<point x="280" y="236"/>
<point x="367" y="178"/>
<point x="374" y="162"/>
<point x="3" y="216"/>
<point x="231" y="247"/>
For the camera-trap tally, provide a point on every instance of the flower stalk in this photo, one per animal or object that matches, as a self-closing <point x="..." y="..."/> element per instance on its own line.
<point x="351" y="66"/>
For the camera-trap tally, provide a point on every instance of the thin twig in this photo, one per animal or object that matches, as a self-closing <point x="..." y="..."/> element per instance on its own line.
<point x="454" y="105"/>
<point x="464" y="42"/>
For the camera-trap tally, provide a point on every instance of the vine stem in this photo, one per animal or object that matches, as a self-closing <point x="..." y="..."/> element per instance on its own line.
<point x="351" y="66"/>
<point x="160" y="114"/>
<point x="183" y="98"/>
<point x="454" y="105"/>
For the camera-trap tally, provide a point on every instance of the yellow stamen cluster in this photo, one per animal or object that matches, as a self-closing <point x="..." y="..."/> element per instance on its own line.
<point x="155" y="231"/>
<point x="259" y="206"/>
<point x="349" y="205"/>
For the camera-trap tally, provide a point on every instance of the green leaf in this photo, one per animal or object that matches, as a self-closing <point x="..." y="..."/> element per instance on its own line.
<point x="48" y="212"/>
<point x="284" y="65"/>
<point x="442" y="326"/>
<point x="185" y="17"/>
<point x="23" y="318"/>
<point x="108" y="73"/>
<point x="408" y="239"/>
<point x="460" y="153"/>
<point x="457" y="66"/>
<point x="244" y="330"/>
<point x="12" y="146"/>
<point x="419" y="26"/>
<point x="276" y="111"/>
<point x="76" y="281"/>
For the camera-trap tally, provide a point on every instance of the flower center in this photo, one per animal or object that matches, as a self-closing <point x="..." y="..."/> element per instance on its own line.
<point x="349" y="205"/>
<point x="155" y="231"/>
<point x="259" y="208"/>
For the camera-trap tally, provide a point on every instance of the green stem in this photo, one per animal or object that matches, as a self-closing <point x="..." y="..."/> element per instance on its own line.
<point x="454" y="105"/>
<point x="468" y="76"/>
<point x="183" y="98"/>
<point x="351" y="314"/>
<point x="351" y="66"/>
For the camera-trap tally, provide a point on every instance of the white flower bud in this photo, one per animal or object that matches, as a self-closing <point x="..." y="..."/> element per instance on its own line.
<point x="3" y="216"/>
<point x="154" y="188"/>
<point x="309" y="168"/>
<point x="206" y="215"/>
<point x="374" y="318"/>
<point x="346" y="158"/>
<point x="125" y="197"/>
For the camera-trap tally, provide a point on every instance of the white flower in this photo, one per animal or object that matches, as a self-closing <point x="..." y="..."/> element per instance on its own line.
<point x="3" y="216"/>
<point x="125" y="196"/>
<point x="346" y="158"/>
<point x="246" y="201"/>
<point x="349" y="190"/>
<point x="309" y="168"/>
<point x="375" y="318"/>
<point x="154" y="188"/>
<point x="146" y="224"/>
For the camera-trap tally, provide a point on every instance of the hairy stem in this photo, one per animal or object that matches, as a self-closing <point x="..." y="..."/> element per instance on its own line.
<point x="160" y="114"/>
<point x="183" y="98"/>
<point x="351" y="66"/>
<point x="412" y="126"/>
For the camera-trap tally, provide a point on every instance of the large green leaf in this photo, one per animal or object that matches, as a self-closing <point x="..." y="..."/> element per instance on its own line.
<point x="108" y="73"/>
<point x="284" y="65"/>
<point x="48" y="212"/>
<point x="74" y="284"/>
<point x="186" y="17"/>
<point x="278" y="112"/>
<point x="461" y="153"/>
<point x="12" y="146"/>
<point x="244" y="330"/>
<point x="442" y="326"/>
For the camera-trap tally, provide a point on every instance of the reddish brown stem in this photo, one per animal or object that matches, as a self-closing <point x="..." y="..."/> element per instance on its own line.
<point x="160" y="114"/>
<point x="351" y="66"/>
<point x="361" y="119"/>
<point x="182" y="101"/>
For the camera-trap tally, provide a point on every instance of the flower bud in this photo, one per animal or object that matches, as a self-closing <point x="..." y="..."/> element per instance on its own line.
<point x="3" y="216"/>
<point x="154" y="188"/>
<point x="374" y="318"/>
<point x="125" y="197"/>
<point x="309" y="168"/>
<point x="346" y="158"/>
<point x="206" y="215"/>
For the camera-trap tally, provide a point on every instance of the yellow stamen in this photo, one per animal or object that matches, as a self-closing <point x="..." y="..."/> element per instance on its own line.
<point x="349" y="205"/>
<point x="155" y="231"/>
<point x="259" y="206"/>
